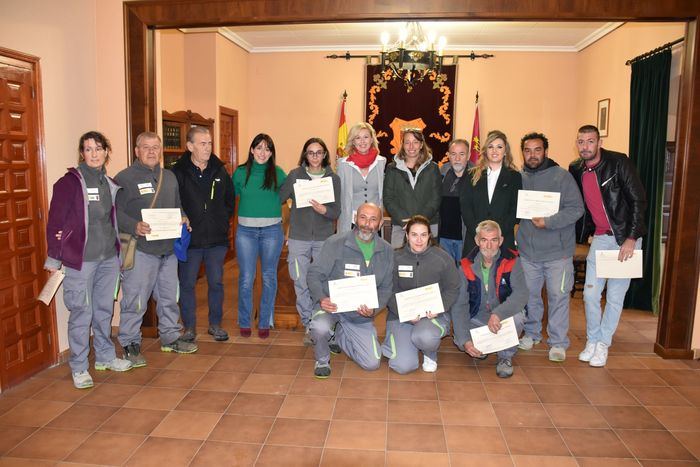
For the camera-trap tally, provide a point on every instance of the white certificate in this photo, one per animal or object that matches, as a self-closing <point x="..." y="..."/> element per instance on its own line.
<point x="416" y="303"/>
<point x="51" y="286"/>
<point x="320" y="190"/>
<point x="608" y="266"/>
<point x="165" y="223"/>
<point x="537" y="204"/>
<point x="487" y="342"/>
<point x="348" y="294"/>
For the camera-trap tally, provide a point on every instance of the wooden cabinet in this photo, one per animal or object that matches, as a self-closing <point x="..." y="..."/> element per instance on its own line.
<point x="175" y="128"/>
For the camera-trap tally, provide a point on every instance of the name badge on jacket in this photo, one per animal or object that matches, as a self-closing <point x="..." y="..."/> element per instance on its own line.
<point x="146" y="188"/>
<point x="93" y="194"/>
<point x="406" y="270"/>
<point x="352" y="270"/>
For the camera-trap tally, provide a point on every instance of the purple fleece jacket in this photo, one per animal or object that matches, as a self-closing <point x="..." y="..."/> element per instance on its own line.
<point x="68" y="212"/>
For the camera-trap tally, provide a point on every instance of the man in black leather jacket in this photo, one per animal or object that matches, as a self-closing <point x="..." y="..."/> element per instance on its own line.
<point x="615" y="203"/>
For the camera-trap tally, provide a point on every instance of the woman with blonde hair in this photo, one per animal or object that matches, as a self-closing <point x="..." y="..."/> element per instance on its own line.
<point x="493" y="191"/>
<point x="361" y="174"/>
<point x="412" y="185"/>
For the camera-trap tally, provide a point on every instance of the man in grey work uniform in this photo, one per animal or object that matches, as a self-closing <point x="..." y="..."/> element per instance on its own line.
<point x="155" y="264"/>
<point x="547" y="247"/>
<point x="496" y="290"/>
<point x="359" y="252"/>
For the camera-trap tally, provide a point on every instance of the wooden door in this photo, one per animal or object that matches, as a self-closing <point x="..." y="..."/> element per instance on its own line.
<point x="228" y="153"/>
<point x="26" y="325"/>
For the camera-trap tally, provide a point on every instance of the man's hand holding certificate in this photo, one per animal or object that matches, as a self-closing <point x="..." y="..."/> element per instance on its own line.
<point x="416" y="303"/>
<point x="164" y="223"/>
<point x="487" y="342"/>
<point x="609" y="266"/>
<point x="351" y="293"/>
<point x="320" y="190"/>
<point x="537" y="204"/>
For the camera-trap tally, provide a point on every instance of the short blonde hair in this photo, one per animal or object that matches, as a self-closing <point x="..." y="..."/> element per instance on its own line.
<point x="352" y="134"/>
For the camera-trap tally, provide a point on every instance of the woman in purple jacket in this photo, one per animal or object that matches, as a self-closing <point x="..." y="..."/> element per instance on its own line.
<point x="82" y="238"/>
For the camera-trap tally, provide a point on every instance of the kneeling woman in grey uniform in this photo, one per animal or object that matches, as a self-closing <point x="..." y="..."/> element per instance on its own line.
<point x="419" y="263"/>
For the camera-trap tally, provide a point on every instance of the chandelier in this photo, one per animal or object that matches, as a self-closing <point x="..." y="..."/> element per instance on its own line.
<point x="413" y="56"/>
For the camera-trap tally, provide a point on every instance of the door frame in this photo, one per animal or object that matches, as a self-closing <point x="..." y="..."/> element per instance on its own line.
<point x="234" y="165"/>
<point x="682" y="265"/>
<point x="41" y="180"/>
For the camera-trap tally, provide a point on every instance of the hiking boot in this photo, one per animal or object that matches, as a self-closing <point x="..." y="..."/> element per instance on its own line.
<point x="588" y="352"/>
<point x="322" y="370"/>
<point x="557" y="354"/>
<point x="189" y="335"/>
<point x="600" y="356"/>
<point x="504" y="368"/>
<point x="132" y="352"/>
<point x="218" y="333"/>
<point x="527" y="342"/>
<point x="429" y="365"/>
<point x="179" y="346"/>
<point x="118" y="364"/>
<point x="83" y="380"/>
<point x="308" y="340"/>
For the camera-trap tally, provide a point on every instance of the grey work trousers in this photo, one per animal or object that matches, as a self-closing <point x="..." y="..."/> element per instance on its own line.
<point x="89" y="296"/>
<point x="358" y="340"/>
<point x="299" y="257"/>
<point x="482" y="319"/>
<point x="403" y="341"/>
<point x="558" y="276"/>
<point x="156" y="275"/>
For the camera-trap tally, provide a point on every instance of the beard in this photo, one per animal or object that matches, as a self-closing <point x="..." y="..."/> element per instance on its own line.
<point x="365" y="236"/>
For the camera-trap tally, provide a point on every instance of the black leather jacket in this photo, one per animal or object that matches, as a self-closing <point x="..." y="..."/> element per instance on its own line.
<point x="624" y="198"/>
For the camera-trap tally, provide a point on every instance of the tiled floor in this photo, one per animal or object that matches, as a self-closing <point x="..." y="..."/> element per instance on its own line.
<point x="249" y="401"/>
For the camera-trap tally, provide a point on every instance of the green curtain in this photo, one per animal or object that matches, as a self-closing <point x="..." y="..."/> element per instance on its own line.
<point x="648" y="121"/>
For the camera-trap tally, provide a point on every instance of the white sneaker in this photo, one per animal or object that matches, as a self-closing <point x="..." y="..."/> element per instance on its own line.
<point x="82" y="380"/>
<point x="557" y="354"/>
<point x="527" y="342"/>
<point x="588" y="352"/>
<point x="600" y="356"/>
<point x="118" y="364"/>
<point x="429" y="365"/>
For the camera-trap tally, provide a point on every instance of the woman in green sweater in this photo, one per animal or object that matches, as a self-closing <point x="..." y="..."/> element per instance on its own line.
<point x="259" y="232"/>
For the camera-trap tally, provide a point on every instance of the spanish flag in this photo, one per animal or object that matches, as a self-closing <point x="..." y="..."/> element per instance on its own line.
<point x="476" y="144"/>
<point x="342" y="130"/>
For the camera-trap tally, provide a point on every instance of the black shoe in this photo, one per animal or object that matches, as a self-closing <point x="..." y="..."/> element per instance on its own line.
<point x="218" y="333"/>
<point x="335" y="348"/>
<point x="132" y="352"/>
<point x="189" y="335"/>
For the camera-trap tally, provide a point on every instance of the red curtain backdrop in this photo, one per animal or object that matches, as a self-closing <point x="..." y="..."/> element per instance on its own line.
<point x="429" y="106"/>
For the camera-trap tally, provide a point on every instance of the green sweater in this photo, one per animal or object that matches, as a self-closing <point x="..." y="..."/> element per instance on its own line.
<point x="255" y="201"/>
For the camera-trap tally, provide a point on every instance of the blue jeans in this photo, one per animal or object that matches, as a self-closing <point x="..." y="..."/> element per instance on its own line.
<point x="600" y="326"/>
<point x="251" y="242"/>
<point x="453" y="248"/>
<point x="213" y="258"/>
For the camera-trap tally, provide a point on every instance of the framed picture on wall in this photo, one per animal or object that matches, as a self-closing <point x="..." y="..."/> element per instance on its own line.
<point x="603" y="116"/>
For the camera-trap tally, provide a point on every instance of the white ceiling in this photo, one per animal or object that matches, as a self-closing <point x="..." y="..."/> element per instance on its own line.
<point x="460" y="35"/>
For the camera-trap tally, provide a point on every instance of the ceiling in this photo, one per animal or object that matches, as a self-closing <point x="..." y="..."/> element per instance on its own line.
<point x="460" y="35"/>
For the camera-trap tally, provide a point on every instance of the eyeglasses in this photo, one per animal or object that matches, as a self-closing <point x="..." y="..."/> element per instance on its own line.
<point x="315" y="154"/>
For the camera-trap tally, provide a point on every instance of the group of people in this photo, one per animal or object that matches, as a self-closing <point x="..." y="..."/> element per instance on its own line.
<point x="489" y="264"/>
